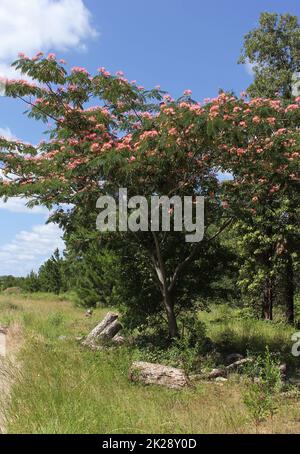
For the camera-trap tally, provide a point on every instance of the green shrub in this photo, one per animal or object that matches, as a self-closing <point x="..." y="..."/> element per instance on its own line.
<point x="261" y="397"/>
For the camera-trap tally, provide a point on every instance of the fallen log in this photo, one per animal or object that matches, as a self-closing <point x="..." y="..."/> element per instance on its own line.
<point x="158" y="374"/>
<point x="106" y="329"/>
<point x="222" y="372"/>
<point x="238" y="364"/>
<point x="215" y="373"/>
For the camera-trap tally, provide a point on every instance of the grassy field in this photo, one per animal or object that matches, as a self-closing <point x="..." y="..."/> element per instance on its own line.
<point x="57" y="386"/>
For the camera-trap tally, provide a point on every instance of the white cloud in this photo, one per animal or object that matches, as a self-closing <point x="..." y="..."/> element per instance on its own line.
<point x="6" y="132"/>
<point x="33" y="25"/>
<point x="249" y="68"/>
<point x="29" y="249"/>
<point x="18" y="205"/>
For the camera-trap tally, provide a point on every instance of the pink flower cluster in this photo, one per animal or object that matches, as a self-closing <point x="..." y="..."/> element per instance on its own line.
<point x="103" y="72"/>
<point x="148" y="134"/>
<point x="80" y="69"/>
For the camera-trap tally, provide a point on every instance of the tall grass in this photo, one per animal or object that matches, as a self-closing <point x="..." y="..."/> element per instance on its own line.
<point x="231" y="332"/>
<point x="61" y="387"/>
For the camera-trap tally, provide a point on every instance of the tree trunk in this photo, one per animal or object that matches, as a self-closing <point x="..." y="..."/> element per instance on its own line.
<point x="167" y="295"/>
<point x="289" y="289"/>
<point x="172" y="322"/>
<point x="267" y="310"/>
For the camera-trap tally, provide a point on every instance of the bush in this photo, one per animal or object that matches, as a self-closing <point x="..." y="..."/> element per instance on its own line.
<point x="262" y="395"/>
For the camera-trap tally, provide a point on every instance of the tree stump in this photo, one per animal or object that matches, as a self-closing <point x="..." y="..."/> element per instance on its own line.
<point x="157" y="374"/>
<point x="110" y="331"/>
<point x="105" y="330"/>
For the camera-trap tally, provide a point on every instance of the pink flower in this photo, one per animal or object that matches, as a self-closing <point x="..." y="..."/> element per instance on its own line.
<point x="147" y="134"/>
<point x="79" y="69"/>
<point x="120" y="73"/>
<point x="187" y="92"/>
<point x="62" y="61"/>
<point x="51" y="57"/>
<point x="103" y="72"/>
<point x="147" y="115"/>
<point x="256" y="119"/>
<point x="292" y="107"/>
<point x="173" y="131"/>
<point x="271" y="120"/>
<point x="95" y="147"/>
<point x="107" y="146"/>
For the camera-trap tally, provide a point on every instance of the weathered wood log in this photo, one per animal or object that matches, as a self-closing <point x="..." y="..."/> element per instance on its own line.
<point x="158" y="374"/>
<point x="238" y="364"/>
<point x="232" y="358"/>
<point x="94" y="335"/>
<point x="118" y="339"/>
<point x="110" y="331"/>
<point x="215" y="373"/>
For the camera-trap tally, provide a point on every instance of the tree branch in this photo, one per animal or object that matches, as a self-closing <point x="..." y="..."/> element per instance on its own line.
<point x="181" y="266"/>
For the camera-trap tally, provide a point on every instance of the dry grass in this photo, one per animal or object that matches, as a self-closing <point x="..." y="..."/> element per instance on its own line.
<point x="64" y="388"/>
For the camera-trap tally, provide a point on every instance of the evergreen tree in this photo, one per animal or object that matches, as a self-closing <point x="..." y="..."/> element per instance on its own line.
<point x="51" y="274"/>
<point x="273" y="50"/>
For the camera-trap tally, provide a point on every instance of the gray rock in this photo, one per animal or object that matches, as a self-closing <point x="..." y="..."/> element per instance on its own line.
<point x="158" y="374"/>
<point x="283" y="369"/>
<point x="221" y="379"/>
<point x="118" y="339"/>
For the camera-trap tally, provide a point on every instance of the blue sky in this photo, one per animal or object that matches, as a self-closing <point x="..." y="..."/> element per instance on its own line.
<point x="178" y="44"/>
